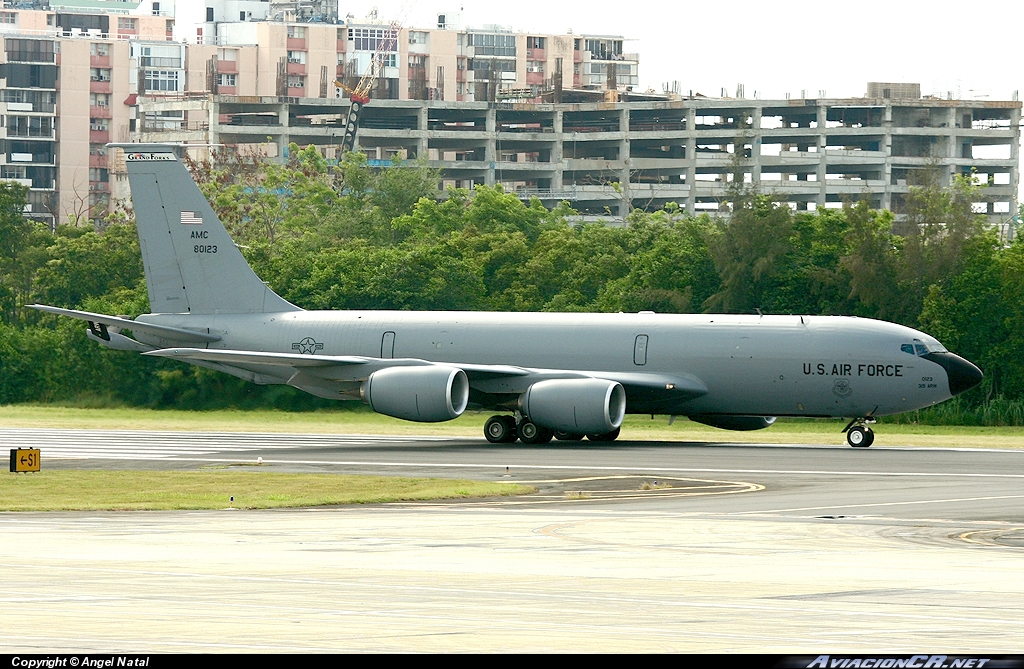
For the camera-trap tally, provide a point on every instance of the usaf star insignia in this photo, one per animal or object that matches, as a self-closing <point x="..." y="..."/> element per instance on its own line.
<point x="307" y="345"/>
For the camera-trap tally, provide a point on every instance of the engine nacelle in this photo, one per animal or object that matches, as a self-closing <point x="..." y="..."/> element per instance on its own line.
<point x="577" y="406"/>
<point x="738" y="423"/>
<point x="427" y="394"/>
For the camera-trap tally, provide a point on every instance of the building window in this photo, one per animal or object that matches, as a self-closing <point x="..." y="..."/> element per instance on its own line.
<point x="209" y="14"/>
<point x="296" y="32"/>
<point x="296" y="81"/>
<point x="8" y="17"/>
<point x="370" y="39"/>
<point x="99" y="174"/>
<point x="417" y="37"/>
<point x="227" y="79"/>
<point x="161" y="56"/>
<point x="230" y="55"/>
<point x="29" y="126"/>
<point x="97" y="150"/>
<point x="99" y="73"/>
<point x="99" y="100"/>
<point x="99" y="49"/>
<point x="29" y="50"/>
<point x="99" y="124"/>
<point x="297" y="57"/>
<point x="125" y="23"/>
<point x="534" y="42"/>
<point x="162" y="80"/>
<point x="156" y="9"/>
<point x="485" y="64"/>
<point x="535" y="66"/>
<point x="490" y="44"/>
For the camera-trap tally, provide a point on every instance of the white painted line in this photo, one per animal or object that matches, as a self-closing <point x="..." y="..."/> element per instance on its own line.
<point x="854" y="506"/>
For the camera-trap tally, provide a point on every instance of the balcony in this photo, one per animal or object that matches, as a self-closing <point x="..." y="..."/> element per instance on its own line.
<point x="100" y="112"/>
<point x="99" y="136"/>
<point x="296" y="68"/>
<point x="227" y="66"/>
<point x="98" y="161"/>
<point x="100" y="86"/>
<point x="341" y="46"/>
<point x="296" y="44"/>
<point x="99" y="61"/>
<point x="299" y="92"/>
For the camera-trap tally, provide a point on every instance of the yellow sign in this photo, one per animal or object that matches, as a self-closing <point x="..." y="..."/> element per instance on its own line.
<point x="25" y="459"/>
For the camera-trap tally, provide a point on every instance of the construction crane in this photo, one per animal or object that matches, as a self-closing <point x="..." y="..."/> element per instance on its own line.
<point x="360" y="95"/>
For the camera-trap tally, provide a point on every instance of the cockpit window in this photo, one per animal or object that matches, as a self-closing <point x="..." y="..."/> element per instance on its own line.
<point x="919" y="349"/>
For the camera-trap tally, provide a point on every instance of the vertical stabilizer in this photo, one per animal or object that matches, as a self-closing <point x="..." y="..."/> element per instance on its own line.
<point x="191" y="263"/>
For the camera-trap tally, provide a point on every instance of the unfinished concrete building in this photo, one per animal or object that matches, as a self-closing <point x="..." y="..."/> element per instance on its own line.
<point x="607" y="158"/>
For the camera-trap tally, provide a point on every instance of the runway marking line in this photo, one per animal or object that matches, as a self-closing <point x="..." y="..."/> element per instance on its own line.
<point x="702" y="470"/>
<point x="874" y="504"/>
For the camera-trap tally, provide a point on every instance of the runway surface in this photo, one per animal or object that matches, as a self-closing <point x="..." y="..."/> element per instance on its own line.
<point x="753" y="548"/>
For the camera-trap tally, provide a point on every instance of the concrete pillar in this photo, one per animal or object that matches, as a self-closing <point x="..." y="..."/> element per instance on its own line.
<point x="491" y="153"/>
<point x="557" y="154"/>
<point x="624" y="178"/>
<point x="887" y="129"/>
<point x="822" y="118"/>
<point x="1015" y="159"/>
<point x="691" y="157"/>
<point x="755" y="147"/>
<point x="422" y="118"/>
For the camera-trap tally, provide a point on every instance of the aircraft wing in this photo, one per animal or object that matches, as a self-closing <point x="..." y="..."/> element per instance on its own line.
<point x="499" y="379"/>
<point x="162" y="331"/>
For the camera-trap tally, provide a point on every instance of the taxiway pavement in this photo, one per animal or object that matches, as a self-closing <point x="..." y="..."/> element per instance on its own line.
<point x="790" y="549"/>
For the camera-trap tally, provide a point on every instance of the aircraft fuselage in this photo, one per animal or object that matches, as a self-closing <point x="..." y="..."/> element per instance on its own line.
<point x="754" y="365"/>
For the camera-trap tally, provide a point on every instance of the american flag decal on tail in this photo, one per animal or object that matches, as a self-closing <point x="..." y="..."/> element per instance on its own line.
<point x="190" y="218"/>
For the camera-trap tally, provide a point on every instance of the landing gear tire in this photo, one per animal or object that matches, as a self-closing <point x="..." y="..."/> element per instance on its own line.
<point x="568" y="436"/>
<point x="531" y="433"/>
<point x="860" y="436"/>
<point x="500" y="429"/>
<point x="607" y="436"/>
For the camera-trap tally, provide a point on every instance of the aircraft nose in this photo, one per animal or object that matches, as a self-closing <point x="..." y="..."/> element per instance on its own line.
<point x="963" y="375"/>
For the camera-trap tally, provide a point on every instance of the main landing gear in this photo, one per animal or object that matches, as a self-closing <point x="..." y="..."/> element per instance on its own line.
<point x="505" y="430"/>
<point x="858" y="434"/>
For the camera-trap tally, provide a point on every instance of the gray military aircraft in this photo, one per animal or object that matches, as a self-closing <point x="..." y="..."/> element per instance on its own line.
<point x="552" y="374"/>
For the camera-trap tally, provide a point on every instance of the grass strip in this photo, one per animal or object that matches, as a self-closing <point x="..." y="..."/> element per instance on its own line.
<point x="363" y="421"/>
<point x="102" y="490"/>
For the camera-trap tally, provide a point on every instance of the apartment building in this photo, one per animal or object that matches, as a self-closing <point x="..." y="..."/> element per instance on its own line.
<point x="607" y="158"/>
<point x="68" y="85"/>
<point x="72" y="73"/>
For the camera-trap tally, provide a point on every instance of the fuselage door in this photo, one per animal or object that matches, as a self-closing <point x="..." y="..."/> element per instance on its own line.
<point x="387" y="345"/>
<point x="640" y="350"/>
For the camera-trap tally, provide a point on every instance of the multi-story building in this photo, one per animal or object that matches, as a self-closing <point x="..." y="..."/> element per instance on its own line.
<point x="68" y="83"/>
<point x="608" y="158"/>
<point x="72" y="73"/>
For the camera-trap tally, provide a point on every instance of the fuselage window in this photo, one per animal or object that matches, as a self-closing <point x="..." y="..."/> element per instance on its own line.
<point x="907" y="348"/>
<point x="921" y="349"/>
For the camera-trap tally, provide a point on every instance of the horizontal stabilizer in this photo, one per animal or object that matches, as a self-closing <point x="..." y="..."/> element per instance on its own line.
<point x="162" y="331"/>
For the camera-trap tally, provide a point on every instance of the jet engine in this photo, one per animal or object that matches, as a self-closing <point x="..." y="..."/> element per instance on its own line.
<point x="738" y="423"/>
<point x="576" y="406"/>
<point x="427" y="394"/>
